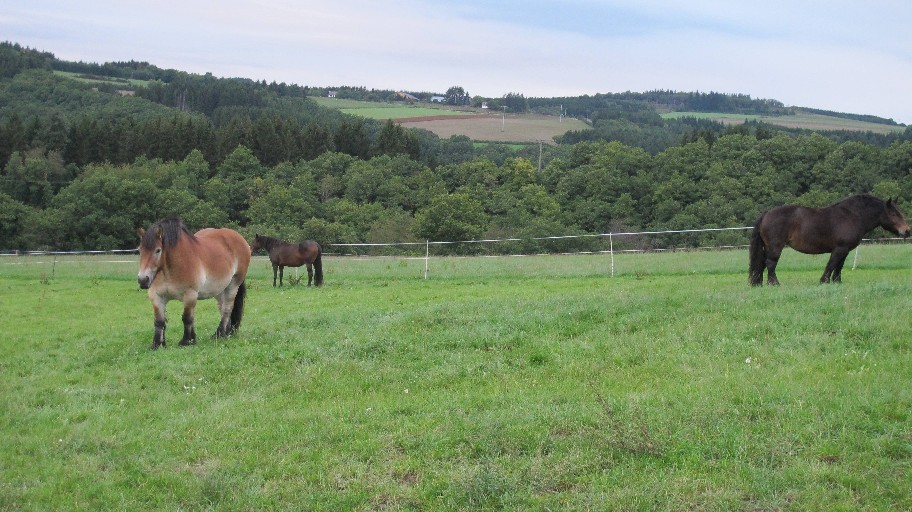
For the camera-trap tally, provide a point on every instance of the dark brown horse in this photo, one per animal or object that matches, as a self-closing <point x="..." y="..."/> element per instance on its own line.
<point x="177" y="264"/>
<point x="283" y="254"/>
<point x="836" y="229"/>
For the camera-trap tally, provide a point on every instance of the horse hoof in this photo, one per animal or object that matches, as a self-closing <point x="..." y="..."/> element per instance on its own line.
<point x="187" y="343"/>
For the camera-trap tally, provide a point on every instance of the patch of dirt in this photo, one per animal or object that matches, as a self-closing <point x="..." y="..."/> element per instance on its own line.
<point x="523" y="129"/>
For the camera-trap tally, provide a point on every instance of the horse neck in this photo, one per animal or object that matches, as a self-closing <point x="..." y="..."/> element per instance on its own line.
<point x="871" y="213"/>
<point x="272" y="243"/>
<point x="184" y="251"/>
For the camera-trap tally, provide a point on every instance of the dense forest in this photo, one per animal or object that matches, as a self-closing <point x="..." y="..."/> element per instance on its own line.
<point x="83" y="165"/>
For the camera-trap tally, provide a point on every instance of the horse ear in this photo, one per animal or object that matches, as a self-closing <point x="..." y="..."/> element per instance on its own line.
<point x="889" y="202"/>
<point x="141" y="232"/>
<point x="159" y="232"/>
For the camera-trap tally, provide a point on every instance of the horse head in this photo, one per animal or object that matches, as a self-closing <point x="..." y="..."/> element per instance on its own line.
<point x="258" y="243"/>
<point x="895" y="221"/>
<point x="151" y="248"/>
<point x="154" y="245"/>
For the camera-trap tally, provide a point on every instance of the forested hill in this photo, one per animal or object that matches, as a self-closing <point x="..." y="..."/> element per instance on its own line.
<point x="89" y="152"/>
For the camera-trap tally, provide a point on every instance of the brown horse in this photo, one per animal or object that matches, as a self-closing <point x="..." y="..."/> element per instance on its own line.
<point x="283" y="254"/>
<point x="177" y="264"/>
<point x="836" y="229"/>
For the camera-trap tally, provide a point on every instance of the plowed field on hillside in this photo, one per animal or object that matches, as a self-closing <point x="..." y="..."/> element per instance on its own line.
<point x="495" y="128"/>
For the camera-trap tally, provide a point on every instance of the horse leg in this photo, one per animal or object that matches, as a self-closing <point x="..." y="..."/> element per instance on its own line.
<point x="275" y="271"/>
<point x="310" y="274"/>
<point x="158" y="309"/>
<point x="226" y="305"/>
<point x="833" y="270"/>
<point x="189" y="309"/>
<point x="772" y="259"/>
<point x="837" y="270"/>
<point x="281" y="273"/>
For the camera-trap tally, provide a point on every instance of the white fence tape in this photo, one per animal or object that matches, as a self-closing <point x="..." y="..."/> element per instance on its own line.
<point x="611" y="251"/>
<point x="558" y="237"/>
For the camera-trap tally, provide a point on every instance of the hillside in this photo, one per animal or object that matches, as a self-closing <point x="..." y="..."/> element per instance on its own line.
<point x="488" y="125"/>
<point x="90" y="152"/>
<point x="671" y="113"/>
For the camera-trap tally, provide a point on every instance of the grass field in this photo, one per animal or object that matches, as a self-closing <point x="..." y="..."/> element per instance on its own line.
<point x="101" y="80"/>
<point x="499" y="383"/>
<point x="801" y="120"/>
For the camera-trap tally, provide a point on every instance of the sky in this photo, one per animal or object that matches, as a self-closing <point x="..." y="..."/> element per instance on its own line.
<point x="845" y="56"/>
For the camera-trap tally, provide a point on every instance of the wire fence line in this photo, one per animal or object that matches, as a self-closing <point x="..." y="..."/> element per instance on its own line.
<point x="557" y="237"/>
<point x="610" y="236"/>
<point x="609" y="244"/>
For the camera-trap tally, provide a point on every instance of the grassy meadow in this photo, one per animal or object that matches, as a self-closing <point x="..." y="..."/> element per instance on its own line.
<point x="517" y="383"/>
<point x="803" y="120"/>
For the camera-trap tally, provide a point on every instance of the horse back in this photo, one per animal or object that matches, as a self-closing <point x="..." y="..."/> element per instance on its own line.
<point x="223" y="253"/>
<point x="309" y="248"/>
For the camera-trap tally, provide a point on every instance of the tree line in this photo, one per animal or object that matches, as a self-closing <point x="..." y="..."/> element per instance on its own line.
<point x="589" y="188"/>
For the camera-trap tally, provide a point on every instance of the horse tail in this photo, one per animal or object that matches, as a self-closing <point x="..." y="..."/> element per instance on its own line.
<point x="237" y="312"/>
<point x="318" y="267"/>
<point x="757" y="256"/>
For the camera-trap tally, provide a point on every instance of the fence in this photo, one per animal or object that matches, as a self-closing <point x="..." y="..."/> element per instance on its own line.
<point x="611" y="244"/>
<point x="610" y="237"/>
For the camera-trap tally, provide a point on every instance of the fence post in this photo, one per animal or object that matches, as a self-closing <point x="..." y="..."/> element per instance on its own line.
<point x="427" y="255"/>
<point x="855" y="259"/>
<point x="611" y="250"/>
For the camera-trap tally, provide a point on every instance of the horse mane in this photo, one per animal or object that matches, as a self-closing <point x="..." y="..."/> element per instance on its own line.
<point x="169" y="230"/>
<point x="269" y="241"/>
<point x="864" y="200"/>
<point x="867" y="203"/>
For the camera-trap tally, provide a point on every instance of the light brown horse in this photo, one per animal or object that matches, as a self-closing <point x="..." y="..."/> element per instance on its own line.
<point x="175" y="264"/>
<point x="283" y="254"/>
<point x="836" y="229"/>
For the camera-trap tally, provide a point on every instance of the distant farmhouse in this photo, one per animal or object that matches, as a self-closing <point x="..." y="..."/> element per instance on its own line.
<point x="331" y="94"/>
<point x="406" y="96"/>
<point x="438" y="99"/>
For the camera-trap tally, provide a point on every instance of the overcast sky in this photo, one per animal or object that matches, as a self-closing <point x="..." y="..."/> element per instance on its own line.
<point x="847" y="56"/>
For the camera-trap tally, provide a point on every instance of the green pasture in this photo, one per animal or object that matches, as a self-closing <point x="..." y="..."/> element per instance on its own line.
<point x="401" y="112"/>
<point x="507" y="383"/>
<point x="713" y="115"/>
<point x="105" y="80"/>
<point x="800" y="120"/>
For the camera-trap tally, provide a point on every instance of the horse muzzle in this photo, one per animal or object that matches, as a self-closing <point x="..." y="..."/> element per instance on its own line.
<point x="145" y="279"/>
